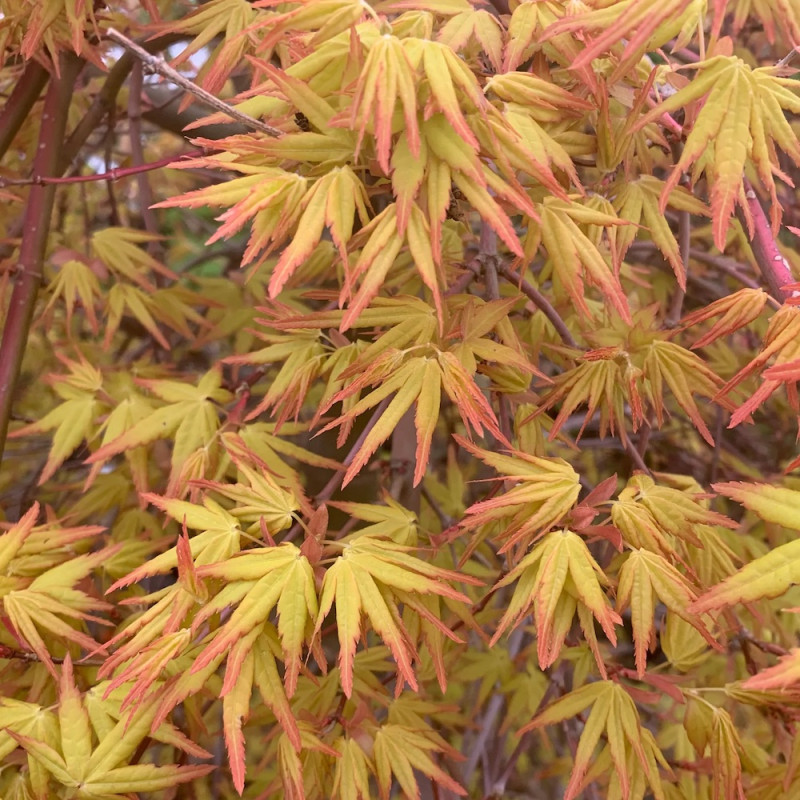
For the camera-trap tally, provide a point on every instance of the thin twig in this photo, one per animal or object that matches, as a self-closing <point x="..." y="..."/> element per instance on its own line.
<point x="541" y="302"/>
<point x="159" y="65"/>
<point x="333" y="484"/>
<point x="115" y="174"/>
<point x="684" y="242"/>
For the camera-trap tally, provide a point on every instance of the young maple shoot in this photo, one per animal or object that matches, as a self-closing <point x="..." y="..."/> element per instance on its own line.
<point x="398" y="399"/>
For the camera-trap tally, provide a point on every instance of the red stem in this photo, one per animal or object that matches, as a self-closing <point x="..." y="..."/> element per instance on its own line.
<point x="36" y="228"/>
<point x="112" y="175"/>
<point x="774" y="267"/>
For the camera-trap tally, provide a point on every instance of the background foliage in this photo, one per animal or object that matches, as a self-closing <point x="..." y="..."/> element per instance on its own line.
<point x="399" y="399"/>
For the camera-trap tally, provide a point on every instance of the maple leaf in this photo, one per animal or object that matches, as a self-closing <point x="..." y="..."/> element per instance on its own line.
<point x="741" y="120"/>
<point x="783" y="675"/>
<point x="74" y="419"/>
<point x="638" y="203"/>
<point x="255" y="583"/>
<point x="649" y="515"/>
<point x="645" y="578"/>
<point x="475" y="26"/>
<point x="769" y="575"/>
<point x="218" y="18"/>
<point x="362" y="581"/>
<point x="635" y="22"/>
<point x="613" y="713"/>
<point x="398" y="751"/>
<point x="190" y="416"/>
<point x="75" y="281"/>
<point x="49" y="601"/>
<point x="75" y="763"/>
<point x="737" y="310"/>
<point x="558" y="577"/>
<point x="782" y="342"/>
<point x="408" y="381"/>
<point x="575" y="257"/>
<point x="547" y="490"/>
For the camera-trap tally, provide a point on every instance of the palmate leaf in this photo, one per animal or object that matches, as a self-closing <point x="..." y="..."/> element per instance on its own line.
<point x="742" y="118"/>
<point x="256" y="582"/>
<point x="781" y="342"/>
<point x="613" y="714"/>
<point x="100" y="770"/>
<point x="575" y="257"/>
<point x="546" y="491"/>
<point x="398" y="751"/>
<point x="74" y="420"/>
<point x="644" y="579"/>
<point x="217" y="18"/>
<point x="475" y="26"/>
<point x="772" y="574"/>
<point x="190" y="417"/>
<point x="638" y="202"/>
<point x="416" y="380"/>
<point x="635" y="22"/>
<point x="737" y="310"/>
<point x="652" y="516"/>
<point x="558" y="577"/>
<point x="362" y="582"/>
<point x="47" y="608"/>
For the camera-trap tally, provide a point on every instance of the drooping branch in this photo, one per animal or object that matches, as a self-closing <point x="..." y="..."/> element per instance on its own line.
<point x="18" y="106"/>
<point x="36" y="227"/>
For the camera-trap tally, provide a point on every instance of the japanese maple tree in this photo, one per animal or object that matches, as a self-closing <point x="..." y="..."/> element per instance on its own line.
<point x="398" y="399"/>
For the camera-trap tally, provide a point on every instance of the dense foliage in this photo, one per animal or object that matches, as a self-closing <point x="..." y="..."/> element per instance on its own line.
<point x="399" y="399"/>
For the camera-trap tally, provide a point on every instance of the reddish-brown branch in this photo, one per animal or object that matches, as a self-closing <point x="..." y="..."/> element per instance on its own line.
<point x="773" y="266"/>
<point x="18" y="106"/>
<point x="112" y="175"/>
<point x="34" y="241"/>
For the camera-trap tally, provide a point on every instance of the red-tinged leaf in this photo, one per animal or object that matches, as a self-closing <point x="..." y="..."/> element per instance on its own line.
<point x="772" y="503"/>
<point x="635" y="22"/>
<point x="489" y="210"/>
<point x="783" y="675"/>
<point x="384" y="427"/>
<point x="737" y="309"/>
<point x="471" y="403"/>
<point x="12" y="539"/>
<point x="399" y="750"/>
<point x="427" y="416"/>
<point x="768" y="576"/>
<point x="340" y="585"/>
<point x="644" y="578"/>
<point x="235" y="711"/>
<point x="555" y="576"/>
<point x="480" y="26"/>
<point x="387" y="76"/>
<point x="419" y="244"/>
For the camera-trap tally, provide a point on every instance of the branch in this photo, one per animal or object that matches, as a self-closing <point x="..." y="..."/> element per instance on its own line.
<point x="159" y="65"/>
<point x="112" y="175"/>
<point x="36" y="227"/>
<point x="336" y="479"/>
<point x="541" y="302"/>
<point x="774" y="267"/>
<point x="18" y="106"/>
